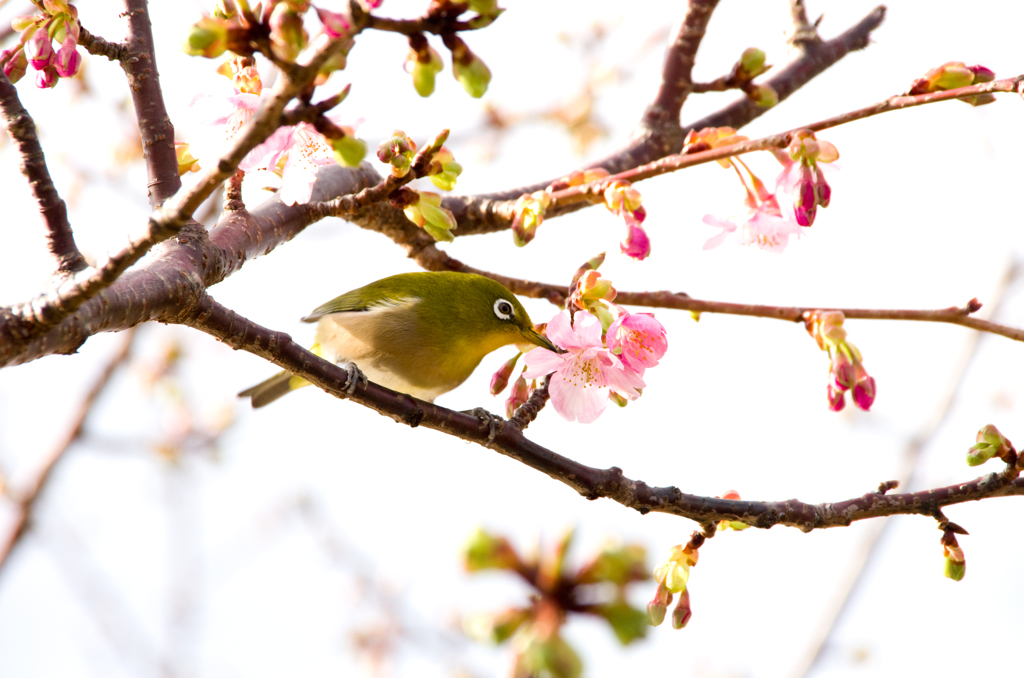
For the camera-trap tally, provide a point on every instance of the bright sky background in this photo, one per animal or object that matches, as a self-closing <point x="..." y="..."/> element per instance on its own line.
<point x="133" y="559"/>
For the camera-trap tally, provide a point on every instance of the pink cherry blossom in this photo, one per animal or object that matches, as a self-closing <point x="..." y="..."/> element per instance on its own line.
<point x="764" y="227"/>
<point x="583" y="376"/>
<point x="295" y="153"/>
<point x="638" y="339"/>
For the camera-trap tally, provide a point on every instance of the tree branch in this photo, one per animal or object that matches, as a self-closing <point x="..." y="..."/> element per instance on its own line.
<point x="677" y="71"/>
<point x="32" y="163"/>
<point x="97" y="46"/>
<point x="805" y="34"/>
<point x="491" y="212"/>
<point x="26" y="500"/>
<point x="173" y="283"/>
<point x="155" y="126"/>
<point x="277" y="347"/>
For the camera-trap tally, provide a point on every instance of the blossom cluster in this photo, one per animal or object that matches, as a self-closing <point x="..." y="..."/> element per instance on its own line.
<point x="771" y="217"/>
<point x="846" y="369"/>
<point x="604" y="352"/>
<point x="57" y="23"/>
<point x="295" y="153"/>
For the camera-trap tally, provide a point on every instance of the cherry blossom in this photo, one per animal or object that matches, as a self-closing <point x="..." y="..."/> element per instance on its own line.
<point x="583" y="375"/>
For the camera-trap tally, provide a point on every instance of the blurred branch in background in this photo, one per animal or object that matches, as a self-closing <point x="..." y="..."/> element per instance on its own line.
<point x="25" y="499"/>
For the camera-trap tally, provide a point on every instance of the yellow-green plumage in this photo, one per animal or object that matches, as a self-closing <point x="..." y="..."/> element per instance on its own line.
<point x="418" y="333"/>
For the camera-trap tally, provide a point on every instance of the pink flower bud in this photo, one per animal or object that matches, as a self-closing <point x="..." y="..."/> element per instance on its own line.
<point x="864" y="393"/>
<point x="47" y="78"/>
<point x="16" y="67"/>
<point x="824" y="191"/>
<point x="836" y="399"/>
<point x="39" y="49"/>
<point x="844" y="374"/>
<point x="518" y="397"/>
<point x="637" y="245"/>
<point x="335" y="25"/>
<point x="682" y="612"/>
<point x="499" y="380"/>
<point x="68" y="59"/>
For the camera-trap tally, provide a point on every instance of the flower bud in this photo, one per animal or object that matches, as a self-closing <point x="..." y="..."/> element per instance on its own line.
<point x="469" y="70"/>
<point x="836" y="399"/>
<point x="397" y="151"/>
<point x="47" y="78"/>
<point x="424" y="67"/>
<point x="499" y="380"/>
<point x="843" y="372"/>
<point x="68" y="59"/>
<point x="517" y="398"/>
<point x="637" y="245"/>
<point x="682" y="613"/>
<point x="16" y="66"/>
<point x="473" y="76"/>
<point x="864" y="393"/>
<point x="764" y="96"/>
<point x="752" y="62"/>
<point x="659" y="605"/>
<point x="954" y="564"/>
<point x="207" y="38"/>
<point x="335" y="25"/>
<point x="39" y="49"/>
<point x="528" y="215"/>
<point x="443" y="171"/>
<point x="288" y="37"/>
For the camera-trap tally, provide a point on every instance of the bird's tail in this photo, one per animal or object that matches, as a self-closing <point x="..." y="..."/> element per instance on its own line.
<point x="270" y="390"/>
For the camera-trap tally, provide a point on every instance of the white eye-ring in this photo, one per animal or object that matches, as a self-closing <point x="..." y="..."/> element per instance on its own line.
<point x="503" y="309"/>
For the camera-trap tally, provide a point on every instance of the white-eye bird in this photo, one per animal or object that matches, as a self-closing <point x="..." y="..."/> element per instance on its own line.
<point x="417" y="333"/>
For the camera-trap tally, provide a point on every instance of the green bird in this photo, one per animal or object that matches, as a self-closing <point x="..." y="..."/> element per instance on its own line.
<point x="417" y="333"/>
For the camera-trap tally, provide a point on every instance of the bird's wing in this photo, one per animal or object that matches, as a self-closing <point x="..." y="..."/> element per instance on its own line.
<point x="354" y="302"/>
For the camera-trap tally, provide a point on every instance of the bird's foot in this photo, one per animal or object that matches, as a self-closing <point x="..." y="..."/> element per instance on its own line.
<point x="493" y="422"/>
<point x="355" y="376"/>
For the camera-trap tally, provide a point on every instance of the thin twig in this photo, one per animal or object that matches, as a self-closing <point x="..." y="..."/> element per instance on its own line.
<point x="593" y="192"/>
<point x="489" y="213"/>
<point x="25" y="500"/>
<point x="433" y="259"/>
<point x="804" y="33"/>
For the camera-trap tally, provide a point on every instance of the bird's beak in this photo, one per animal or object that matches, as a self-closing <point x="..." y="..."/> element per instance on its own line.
<point x="536" y="338"/>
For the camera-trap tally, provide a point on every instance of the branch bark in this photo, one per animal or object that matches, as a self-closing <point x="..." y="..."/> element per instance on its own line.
<point x="32" y="163"/>
<point x="277" y="347"/>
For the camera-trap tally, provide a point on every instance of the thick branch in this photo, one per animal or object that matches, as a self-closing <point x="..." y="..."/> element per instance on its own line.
<point x="174" y="282"/>
<point x="32" y="163"/>
<point x="155" y="126"/>
<point x="277" y="347"/>
<point x="677" y="72"/>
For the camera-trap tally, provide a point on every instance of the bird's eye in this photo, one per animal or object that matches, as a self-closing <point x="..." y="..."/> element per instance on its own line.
<point x="503" y="309"/>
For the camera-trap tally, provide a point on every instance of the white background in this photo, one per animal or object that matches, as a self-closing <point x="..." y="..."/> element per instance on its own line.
<point x="141" y="566"/>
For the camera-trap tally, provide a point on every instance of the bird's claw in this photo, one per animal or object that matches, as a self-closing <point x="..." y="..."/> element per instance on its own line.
<point x="355" y="376"/>
<point x="494" y="422"/>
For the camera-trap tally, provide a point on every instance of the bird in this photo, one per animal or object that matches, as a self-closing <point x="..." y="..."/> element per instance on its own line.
<point x="418" y="333"/>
